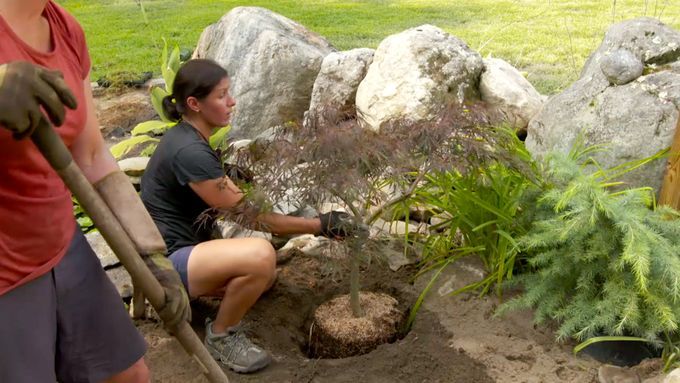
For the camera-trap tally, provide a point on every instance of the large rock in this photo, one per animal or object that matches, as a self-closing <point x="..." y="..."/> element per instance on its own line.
<point x="614" y="374"/>
<point x="621" y="67"/>
<point x="673" y="376"/>
<point x="504" y="87"/>
<point x="335" y="88"/>
<point x="414" y="73"/>
<point x="98" y="244"/>
<point x="134" y="166"/>
<point x="272" y="62"/>
<point x="634" y="120"/>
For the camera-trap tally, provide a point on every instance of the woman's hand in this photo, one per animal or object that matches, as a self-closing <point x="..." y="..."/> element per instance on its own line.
<point x="25" y="88"/>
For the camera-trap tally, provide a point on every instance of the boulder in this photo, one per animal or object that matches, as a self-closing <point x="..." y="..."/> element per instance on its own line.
<point x="504" y="87"/>
<point x="335" y="88"/>
<point x="673" y="376"/>
<point x="106" y="256"/>
<point x="229" y="229"/>
<point x="308" y="244"/>
<point x="614" y="374"/>
<point x="133" y="166"/>
<point x="272" y="62"/>
<point x="414" y="74"/>
<point x="621" y="67"/>
<point x="110" y="262"/>
<point x="634" y="120"/>
<point x="122" y="280"/>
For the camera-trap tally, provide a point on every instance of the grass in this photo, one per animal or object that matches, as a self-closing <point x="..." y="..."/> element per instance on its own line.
<point x="548" y="39"/>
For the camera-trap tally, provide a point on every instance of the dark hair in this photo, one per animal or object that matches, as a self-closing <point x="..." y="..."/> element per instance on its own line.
<point x="196" y="78"/>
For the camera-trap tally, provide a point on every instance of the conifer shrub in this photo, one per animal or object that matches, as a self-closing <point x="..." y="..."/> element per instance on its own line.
<point x="603" y="260"/>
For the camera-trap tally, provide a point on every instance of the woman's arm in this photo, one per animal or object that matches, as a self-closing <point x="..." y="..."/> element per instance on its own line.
<point x="89" y="150"/>
<point x="222" y="193"/>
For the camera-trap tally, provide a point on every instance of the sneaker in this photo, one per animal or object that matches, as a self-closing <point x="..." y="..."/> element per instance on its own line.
<point x="235" y="350"/>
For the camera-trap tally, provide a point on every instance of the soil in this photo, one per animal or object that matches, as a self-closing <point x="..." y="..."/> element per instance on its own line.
<point x="280" y="322"/>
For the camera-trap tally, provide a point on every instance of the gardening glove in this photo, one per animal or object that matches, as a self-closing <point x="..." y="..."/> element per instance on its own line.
<point x="121" y="197"/>
<point x="339" y="225"/>
<point x="238" y="174"/>
<point x="24" y="89"/>
<point x="176" y="308"/>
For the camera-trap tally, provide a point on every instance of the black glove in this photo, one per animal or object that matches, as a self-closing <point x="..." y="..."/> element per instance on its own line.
<point x="238" y="174"/>
<point x="338" y="224"/>
<point x="24" y="89"/>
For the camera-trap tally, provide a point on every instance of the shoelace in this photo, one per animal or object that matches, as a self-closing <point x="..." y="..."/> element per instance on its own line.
<point x="237" y="344"/>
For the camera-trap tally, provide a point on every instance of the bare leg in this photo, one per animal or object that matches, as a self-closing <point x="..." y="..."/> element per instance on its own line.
<point x="242" y="267"/>
<point x="137" y="373"/>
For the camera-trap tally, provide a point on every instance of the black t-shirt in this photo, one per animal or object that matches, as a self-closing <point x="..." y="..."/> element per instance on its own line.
<point x="182" y="156"/>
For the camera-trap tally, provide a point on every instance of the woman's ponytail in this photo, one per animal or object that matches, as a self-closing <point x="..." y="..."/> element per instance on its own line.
<point x="170" y="108"/>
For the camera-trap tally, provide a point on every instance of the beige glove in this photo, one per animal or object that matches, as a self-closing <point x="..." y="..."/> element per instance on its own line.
<point x="128" y="208"/>
<point x="24" y="89"/>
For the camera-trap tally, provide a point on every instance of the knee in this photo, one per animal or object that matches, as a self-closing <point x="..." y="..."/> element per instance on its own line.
<point x="141" y="372"/>
<point x="265" y="256"/>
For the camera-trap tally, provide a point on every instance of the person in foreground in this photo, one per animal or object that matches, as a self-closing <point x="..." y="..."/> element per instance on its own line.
<point x="184" y="179"/>
<point x="61" y="319"/>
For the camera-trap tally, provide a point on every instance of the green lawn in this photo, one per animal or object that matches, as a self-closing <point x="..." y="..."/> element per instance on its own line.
<point x="548" y="39"/>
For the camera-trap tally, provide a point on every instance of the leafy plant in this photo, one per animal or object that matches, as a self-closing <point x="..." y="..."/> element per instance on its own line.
<point x="481" y="209"/>
<point x="122" y="148"/>
<point x="604" y="260"/>
<point x="84" y="221"/>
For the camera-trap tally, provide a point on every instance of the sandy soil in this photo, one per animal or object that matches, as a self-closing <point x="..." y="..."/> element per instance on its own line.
<point x="279" y="322"/>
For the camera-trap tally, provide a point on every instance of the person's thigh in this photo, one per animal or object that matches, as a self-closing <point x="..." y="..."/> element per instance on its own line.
<point x="96" y="337"/>
<point x="212" y="264"/>
<point x="28" y="332"/>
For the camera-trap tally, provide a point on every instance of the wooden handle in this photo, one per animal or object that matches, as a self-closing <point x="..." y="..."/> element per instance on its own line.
<point x="59" y="157"/>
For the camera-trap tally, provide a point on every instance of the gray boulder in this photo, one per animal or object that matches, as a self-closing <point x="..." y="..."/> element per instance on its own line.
<point x="504" y="87"/>
<point x="110" y="262"/>
<point x="621" y="67"/>
<point x="414" y="73"/>
<point x="106" y="256"/>
<point x="272" y="62"/>
<point x="634" y="120"/>
<point x="335" y="88"/>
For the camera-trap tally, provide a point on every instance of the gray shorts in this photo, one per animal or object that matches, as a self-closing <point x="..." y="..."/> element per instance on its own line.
<point x="68" y="325"/>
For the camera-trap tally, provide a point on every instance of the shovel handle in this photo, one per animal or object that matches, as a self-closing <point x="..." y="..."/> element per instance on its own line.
<point x="55" y="152"/>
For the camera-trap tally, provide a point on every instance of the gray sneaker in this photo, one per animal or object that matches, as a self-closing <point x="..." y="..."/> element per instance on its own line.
<point x="235" y="350"/>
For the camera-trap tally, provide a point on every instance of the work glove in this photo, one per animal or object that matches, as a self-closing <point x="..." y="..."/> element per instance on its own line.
<point x="238" y="174"/>
<point x="176" y="308"/>
<point x="121" y="197"/>
<point x="24" y="89"/>
<point x="339" y="225"/>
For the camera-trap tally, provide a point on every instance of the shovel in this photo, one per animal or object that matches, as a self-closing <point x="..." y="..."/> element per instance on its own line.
<point x="56" y="153"/>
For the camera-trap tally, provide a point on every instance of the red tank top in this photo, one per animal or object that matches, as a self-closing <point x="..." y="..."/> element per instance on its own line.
<point x="36" y="214"/>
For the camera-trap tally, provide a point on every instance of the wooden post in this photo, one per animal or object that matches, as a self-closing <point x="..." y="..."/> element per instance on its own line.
<point x="670" y="188"/>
